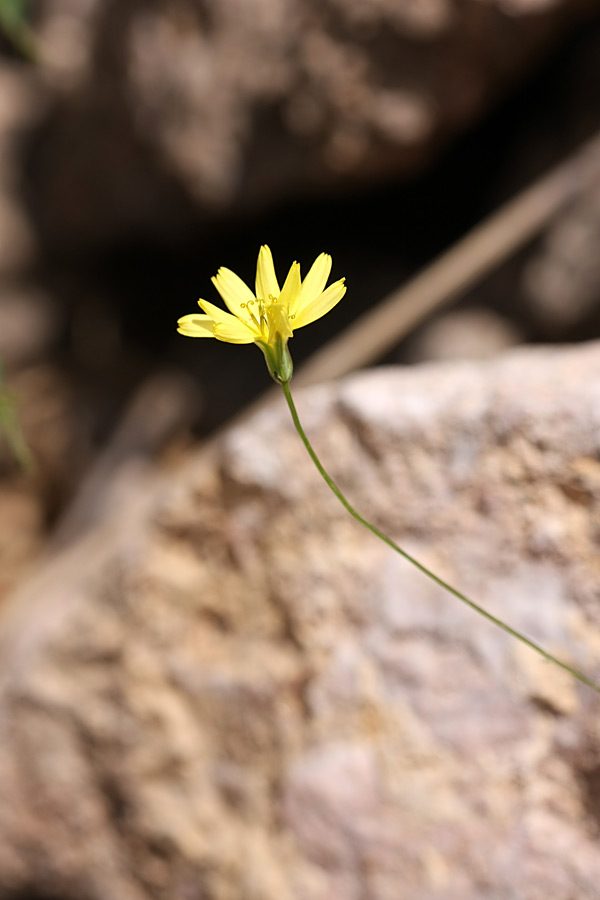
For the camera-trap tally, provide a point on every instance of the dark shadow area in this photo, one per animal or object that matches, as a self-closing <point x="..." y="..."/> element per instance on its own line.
<point x="589" y="782"/>
<point x="377" y="237"/>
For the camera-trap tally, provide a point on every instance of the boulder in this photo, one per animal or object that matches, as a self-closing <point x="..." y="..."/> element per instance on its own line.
<point x="561" y="280"/>
<point x="171" y="116"/>
<point x="232" y="690"/>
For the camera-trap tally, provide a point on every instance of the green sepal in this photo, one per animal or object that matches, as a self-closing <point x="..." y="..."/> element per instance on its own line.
<point x="278" y="359"/>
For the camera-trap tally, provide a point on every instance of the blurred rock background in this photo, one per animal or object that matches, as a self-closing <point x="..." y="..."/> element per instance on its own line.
<point x="144" y="144"/>
<point x="150" y="143"/>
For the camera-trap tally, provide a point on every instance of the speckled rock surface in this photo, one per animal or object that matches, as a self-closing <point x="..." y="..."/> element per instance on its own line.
<point x="183" y="112"/>
<point x="245" y="695"/>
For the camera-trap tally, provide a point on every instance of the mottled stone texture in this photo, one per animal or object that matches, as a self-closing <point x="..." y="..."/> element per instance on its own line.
<point x="243" y="694"/>
<point x="171" y="113"/>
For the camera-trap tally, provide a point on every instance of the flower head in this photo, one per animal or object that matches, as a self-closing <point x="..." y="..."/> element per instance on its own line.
<point x="269" y="316"/>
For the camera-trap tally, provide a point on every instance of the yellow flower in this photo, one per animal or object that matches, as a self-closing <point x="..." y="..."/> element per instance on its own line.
<point x="269" y="317"/>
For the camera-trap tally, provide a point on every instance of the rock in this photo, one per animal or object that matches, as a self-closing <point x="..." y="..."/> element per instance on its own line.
<point x="56" y="433"/>
<point x="184" y="113"/>
<point x="562" y="280"/>
<point x="27" y="315"/>
<point x="21" y="530"/>
<point x="233" y="690"/>
<point x="475" y="333"/>
<point x="28" y="324"/>
<point x="19" y="108"/>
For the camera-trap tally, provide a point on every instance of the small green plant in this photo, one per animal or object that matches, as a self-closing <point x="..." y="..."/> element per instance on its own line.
<point x="11" y="432"/>
<point x="268" y="319"/>
<point x="14" y="24"/>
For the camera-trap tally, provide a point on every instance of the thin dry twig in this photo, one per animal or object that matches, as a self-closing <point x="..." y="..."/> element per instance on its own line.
<point x="489" y="243"/>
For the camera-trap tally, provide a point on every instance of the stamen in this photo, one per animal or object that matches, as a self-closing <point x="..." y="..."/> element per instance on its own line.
<point x="250" y="313"/>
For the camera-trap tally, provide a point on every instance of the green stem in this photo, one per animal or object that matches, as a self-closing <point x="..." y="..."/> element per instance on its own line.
<point x="439" y="581"/>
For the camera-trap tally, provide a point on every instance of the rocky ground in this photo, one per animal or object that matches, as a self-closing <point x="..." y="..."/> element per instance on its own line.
<point x="213" y="683"/>
<point x="236" y="691"/>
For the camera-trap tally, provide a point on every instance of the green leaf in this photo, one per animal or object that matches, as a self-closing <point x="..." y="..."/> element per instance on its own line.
<point x="11" y="432"/>
<point x="14" y="24"/>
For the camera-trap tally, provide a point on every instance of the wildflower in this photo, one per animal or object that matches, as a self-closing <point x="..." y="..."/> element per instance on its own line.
<point x="269" y="317"/>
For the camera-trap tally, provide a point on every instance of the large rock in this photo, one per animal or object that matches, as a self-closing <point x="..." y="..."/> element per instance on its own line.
<point x="562" y="279"/>
<point x="170" y="114"/>
<point x="235" y="691"/>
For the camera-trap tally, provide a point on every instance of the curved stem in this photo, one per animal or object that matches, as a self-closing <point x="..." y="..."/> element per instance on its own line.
<point x="439" y="581"/>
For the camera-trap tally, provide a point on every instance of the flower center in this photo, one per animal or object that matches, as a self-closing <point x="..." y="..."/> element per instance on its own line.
<point x="269" y="318"/>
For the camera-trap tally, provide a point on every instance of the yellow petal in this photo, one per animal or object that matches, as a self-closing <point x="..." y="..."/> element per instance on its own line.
<point x="319" y="307"/>
<point x="217" y="314"/>
<point x="234" y="333"/>
<point x="291" y="288"/>
<point x="314" y="283"/>
<point x="196" y="326"/>
<point x="266" y="280"/>
<point x="235" y="292"/>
